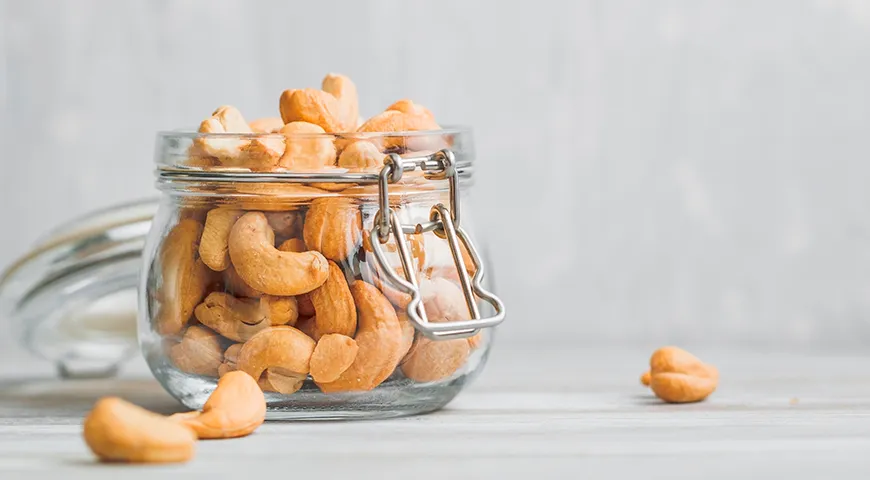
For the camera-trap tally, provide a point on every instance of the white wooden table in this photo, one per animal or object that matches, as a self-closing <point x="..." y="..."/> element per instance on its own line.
<point x="550" y="414"/>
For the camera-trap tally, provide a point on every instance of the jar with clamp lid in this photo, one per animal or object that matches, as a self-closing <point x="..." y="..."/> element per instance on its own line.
<point x="347" y="292"/>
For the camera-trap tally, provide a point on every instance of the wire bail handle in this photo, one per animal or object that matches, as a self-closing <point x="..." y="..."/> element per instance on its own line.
<point x="444" y="223"/>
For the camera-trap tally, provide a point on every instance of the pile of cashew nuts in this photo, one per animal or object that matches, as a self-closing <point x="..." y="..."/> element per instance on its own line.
<point x="279" y="292"/>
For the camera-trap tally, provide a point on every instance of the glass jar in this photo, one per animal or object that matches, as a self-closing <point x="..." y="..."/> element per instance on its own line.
<point x="348" y="292"/>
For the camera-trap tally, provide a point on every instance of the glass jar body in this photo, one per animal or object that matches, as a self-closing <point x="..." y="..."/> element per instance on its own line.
<point x="227" y="284"/>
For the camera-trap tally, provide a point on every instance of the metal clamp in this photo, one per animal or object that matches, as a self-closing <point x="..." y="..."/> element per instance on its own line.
<point x="444" y="223"/>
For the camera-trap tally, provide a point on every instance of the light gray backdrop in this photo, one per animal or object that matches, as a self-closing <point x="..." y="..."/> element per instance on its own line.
<point x="666" y="171"/>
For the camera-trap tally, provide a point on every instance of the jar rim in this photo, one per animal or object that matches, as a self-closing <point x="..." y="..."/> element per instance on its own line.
<point x="181" y="158"/>
<point x="193" y="133"/>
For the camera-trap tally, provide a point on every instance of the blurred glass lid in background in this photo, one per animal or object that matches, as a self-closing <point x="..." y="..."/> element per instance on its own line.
<point x="72" y="299"/>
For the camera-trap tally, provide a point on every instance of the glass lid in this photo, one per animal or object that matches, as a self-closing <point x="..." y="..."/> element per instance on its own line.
<point x="72" y="299"/>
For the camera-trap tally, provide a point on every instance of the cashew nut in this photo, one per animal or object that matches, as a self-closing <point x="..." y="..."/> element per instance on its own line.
<point x="268" y="382"/>
<point x="225" y="119"/>
<point x="266" y="125"/>
<point x="272" y="197"/>
<point x="293" y="245"/>
<point x="118" y="431"/>
<point x="234" y="285"/>
<point x="404" y="116"/>
<point x="213" y="245"/>
<point x="199" y="352"/>
<point x="408" y="333"/>
<point x="344" y="90"/>
<point x="306" y="308"/>
<point x="303" y="301"/>
<point x="333" y="304"/>
<point x="476" y="340"/>
<point x="272" y="381"/>
<point x="432" y="360"/>
<point x="283" y="350"/>
<point x="260" y="154"/>
<point x="306" y="325"/>
<point x="231" y="358"/>
<point x="379" y="338"/>
<point x="280" y="310"/>
<point x="333" y="227"/>
<point x="286" y="225"/>
<point x="645" y="378"/>
<point x="333" y="354"/>
<point x="443" y="300"/>
<point x="677" y="376"/>
<point x="184" y="278"/>
<point x="308" y="147"/>
<point x="415" y="242"/>
<point x="267" y="269"/>
<point x="396" y="121"/>
<point x="361" y="155"/>
<point x="407" y="106"/>
<point x="235" y="409"/>
<point x="313" y="106"/>
<point x="239" y="319"/>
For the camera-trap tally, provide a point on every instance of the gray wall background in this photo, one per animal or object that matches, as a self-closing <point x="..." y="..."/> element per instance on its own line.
<point x="670" y="171"/>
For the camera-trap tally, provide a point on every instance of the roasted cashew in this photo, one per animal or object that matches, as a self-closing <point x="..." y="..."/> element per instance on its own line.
<point x="677" y="376"/>
<point x="272" y="381"/>
<point x="260" y="154"/>
<point x="379" y="338"/>
<point x="231" y="358"/>
<point x="234" y="285"/>
<point x="271" y="197"/>
<point x="293" y="245"/>
<point x="306" y="325"/>
<point x="407" y="106"/>
<point x="415" y="242"/>
<point x="307" y="147"/>
<point x="184" y="280"/>
<point x="361" y="155"/>
<point x="344" y="90"/>
<point x="235" y="409"/>
<point x="286" y="225"/>
<point x="118" y="431"/>
<point x="266" y="125"/>
<point x="333" y="305"/>
<point x="225" y="119"/>
<point x="239" y="319"/>
<point x="408" y="333"/>
<point x="333" y="227"/>
<point x="282" y="350"/>
<point x="213" y="244"/>
<point x="443" y="300"/>
<point x="268" y="382"/>
<point x="303" y="301"/>
<point x="280" y="310"/>
<point x="200" y="352"/>
<point x="333" y="354"/>
<point x="267" y="269"/>
<point x="396" y="121"/>
<point x="432" y="360"/>
<point x="476" y="340"/>
<point x="313" y="106"/>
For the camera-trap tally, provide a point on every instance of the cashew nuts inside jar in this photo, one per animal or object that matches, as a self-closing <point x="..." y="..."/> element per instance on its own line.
<point x="269" y="255"/>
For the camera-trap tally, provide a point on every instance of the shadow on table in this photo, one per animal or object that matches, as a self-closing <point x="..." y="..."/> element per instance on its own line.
<point x="40" y="397"/>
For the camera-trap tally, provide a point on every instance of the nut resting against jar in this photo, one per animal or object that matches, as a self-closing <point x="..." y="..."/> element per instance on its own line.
<point x="328" y="257"/>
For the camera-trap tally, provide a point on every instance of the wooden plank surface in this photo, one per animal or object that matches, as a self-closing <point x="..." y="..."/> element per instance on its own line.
<point x="550" y="413"/>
